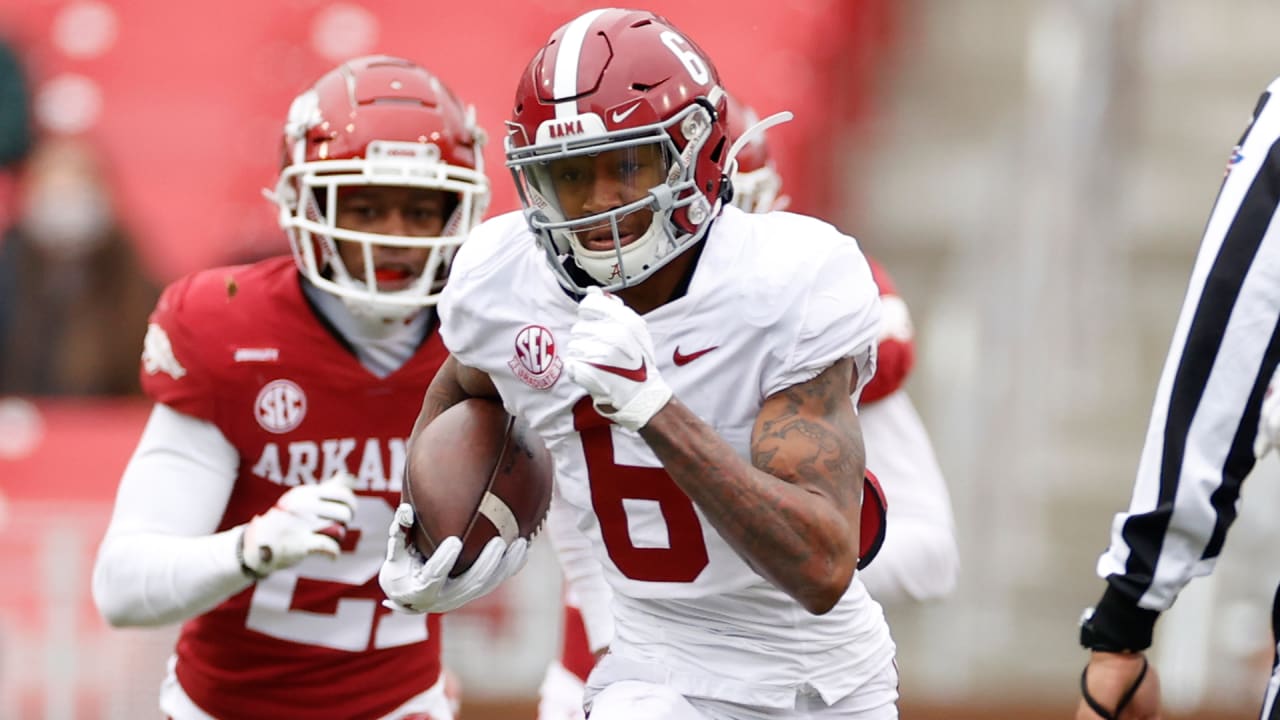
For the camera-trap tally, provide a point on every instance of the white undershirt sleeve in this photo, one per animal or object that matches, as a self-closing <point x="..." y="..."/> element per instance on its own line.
<point x="919" y="559"/>
<point x="161" y="560"/>
<point x="585" y="585"/>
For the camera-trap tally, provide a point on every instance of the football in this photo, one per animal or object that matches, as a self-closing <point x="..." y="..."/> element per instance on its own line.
<point x="477" y="473"/>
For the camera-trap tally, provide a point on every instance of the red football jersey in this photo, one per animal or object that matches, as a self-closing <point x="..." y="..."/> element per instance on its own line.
<point x="247" y="352"/>
<point x="896" y="352"/>
<point x="575" y="650"/>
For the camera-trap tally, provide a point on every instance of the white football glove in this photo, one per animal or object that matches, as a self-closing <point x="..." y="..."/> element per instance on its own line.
<point x="415" y="584"/>
<point x="1268" y="436"/>
<point x="610" y="354"/>
<point x="305" y="520"/>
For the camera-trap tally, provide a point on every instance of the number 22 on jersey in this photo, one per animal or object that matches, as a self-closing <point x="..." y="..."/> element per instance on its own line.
<point x="350" y="625"/>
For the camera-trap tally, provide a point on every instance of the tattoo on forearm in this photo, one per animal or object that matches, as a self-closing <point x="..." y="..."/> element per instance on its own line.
<point x="804" y="438"/>
<point x="823" y="453"/>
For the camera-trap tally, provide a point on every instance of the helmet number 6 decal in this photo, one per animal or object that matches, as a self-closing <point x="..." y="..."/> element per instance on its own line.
<point x="687" y="55"/>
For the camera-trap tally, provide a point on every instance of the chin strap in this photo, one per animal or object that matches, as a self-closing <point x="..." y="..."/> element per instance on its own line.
<point x="1124" y="699"/>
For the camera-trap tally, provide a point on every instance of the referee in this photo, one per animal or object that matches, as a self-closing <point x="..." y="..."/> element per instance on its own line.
<point x="1201" y="439"/>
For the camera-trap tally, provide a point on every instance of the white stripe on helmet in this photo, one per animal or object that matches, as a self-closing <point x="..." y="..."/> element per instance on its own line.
<point x="568" y="54"/>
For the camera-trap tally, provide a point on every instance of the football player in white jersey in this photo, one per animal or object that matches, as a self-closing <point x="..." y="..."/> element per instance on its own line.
<point x="919" y="559"/>
<point x="689" y="367"/>
<point x="254" y="508"/>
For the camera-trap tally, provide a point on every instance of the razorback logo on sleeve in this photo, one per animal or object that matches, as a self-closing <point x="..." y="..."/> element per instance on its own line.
<point x="157" y="354"/>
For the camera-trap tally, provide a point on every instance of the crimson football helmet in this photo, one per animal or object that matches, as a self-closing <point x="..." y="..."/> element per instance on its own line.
<point x="756" y="182"/>
<point x="619" y="80"/>
<point x="377" y="120"/>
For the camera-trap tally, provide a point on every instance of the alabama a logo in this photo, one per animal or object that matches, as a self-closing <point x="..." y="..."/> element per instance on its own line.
<point x="535" y="362"/>
<point x="157" y="354"/>
<point x="280" y="406"/>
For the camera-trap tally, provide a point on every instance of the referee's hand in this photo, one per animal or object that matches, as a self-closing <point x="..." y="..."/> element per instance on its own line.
<point x="1109" y="676"/>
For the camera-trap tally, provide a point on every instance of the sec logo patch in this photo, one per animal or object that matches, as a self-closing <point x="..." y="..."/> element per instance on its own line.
<point x="280" y="407"/>
<point x="535" y="361"/>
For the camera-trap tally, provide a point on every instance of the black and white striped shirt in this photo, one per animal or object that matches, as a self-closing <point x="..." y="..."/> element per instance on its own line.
<point x="1198" y="447"/>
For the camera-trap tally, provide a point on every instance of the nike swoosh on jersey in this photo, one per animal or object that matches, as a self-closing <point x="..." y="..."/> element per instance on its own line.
<point x="619" y="116"/>
<point x="639" y="374"/>
<point x="679" y="359"/>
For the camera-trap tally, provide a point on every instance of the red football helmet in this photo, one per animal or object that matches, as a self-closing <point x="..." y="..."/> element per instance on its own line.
<point x="756" y="182"/>
<point x="377" y="120"/>
<point x="620" y="80"/>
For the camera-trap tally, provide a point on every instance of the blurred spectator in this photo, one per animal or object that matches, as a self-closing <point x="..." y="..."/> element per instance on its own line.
<point x="15" y="143"/>
<point x="76" y="294"/>
<point x="15" y="109"/>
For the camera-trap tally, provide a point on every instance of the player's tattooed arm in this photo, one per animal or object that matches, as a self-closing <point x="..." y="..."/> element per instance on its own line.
<point x="453" y="383"/>
<point x="793" y="512"/>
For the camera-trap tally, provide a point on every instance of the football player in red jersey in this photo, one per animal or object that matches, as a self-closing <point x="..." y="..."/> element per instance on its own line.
<point x="919" y="559"/>
<point x="691" y="381"/>
<point x="255" y="507"/>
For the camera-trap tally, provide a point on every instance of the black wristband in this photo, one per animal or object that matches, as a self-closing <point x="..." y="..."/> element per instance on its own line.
<point x="1117" y="624"/>
<point x="244" y="567"/>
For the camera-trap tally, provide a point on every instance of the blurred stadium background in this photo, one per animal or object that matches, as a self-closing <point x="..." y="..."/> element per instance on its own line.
<point x="1036" y="175"/>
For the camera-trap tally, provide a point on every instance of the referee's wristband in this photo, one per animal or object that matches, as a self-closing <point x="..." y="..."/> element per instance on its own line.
<point x="1117" y="625"/>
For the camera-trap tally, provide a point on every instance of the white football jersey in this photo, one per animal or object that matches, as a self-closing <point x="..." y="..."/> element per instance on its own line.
<point x="775" y="300"/>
